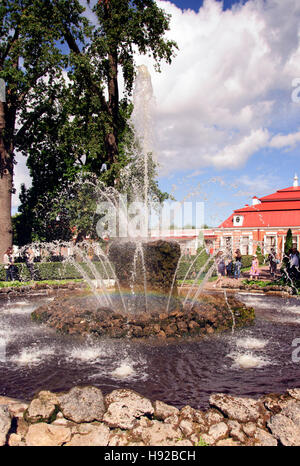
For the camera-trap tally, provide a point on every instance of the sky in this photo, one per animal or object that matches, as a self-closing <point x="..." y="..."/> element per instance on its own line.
<point x="226" y="111"/>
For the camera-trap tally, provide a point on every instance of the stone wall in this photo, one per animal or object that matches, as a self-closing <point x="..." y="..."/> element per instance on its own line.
<point x="85" y="417"/>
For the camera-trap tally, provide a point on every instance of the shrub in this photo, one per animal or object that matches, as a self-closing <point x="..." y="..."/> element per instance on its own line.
<point x="187" y="261"/>
<point x="58" y="271"/>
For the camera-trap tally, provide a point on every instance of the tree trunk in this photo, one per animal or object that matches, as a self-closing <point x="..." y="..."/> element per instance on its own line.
<point x="6" y="178"/>
<point x="5" y="214"/>
<point x="111" y="140"/>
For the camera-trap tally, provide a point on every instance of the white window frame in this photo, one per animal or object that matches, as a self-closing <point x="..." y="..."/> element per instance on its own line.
<point x="274" y="235"/>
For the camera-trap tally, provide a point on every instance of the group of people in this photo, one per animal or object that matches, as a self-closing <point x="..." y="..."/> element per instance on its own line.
<point x="12" y="271"/>
<point x="231" y="266"/>
<point x="293" y="264"/>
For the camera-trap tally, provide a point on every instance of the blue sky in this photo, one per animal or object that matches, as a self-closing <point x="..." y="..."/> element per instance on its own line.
<point x="196" y="4"/>
<point x="245" y="139"/>
<point x="226" y="122"/>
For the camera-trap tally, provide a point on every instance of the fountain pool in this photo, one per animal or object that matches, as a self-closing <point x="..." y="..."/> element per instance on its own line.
<point x="251" y="361"/>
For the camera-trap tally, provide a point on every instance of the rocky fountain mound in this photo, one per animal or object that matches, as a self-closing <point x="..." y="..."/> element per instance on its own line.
<point x="146" y="302"/>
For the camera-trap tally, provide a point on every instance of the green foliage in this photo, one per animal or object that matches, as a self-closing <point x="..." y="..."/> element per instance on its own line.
<point x="260" y="256"/>
<point x="18" y="284"/>
<point x="74" y="121"/>
<point x="187" y="266"/>
<point x="288" y="242"/>
<point x="260" y="283"/>
<point x="55" y="271"/>
<point x="247" y="259"/>
<point x="201" y="443"/>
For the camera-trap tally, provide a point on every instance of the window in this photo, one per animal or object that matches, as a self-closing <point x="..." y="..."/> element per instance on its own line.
<point x="238" y="220"/>
<point x="295" y="242"/>
<point x="244" y="245"/>
<point x="270" y="242"/>
<point x="228" y="244"/>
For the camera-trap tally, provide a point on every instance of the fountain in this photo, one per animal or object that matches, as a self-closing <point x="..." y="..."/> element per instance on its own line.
<point x="145" y="302"/>
<point x="145" y="305"/>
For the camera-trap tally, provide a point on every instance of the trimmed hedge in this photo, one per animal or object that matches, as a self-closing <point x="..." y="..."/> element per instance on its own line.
<point x="186" y="262"/>
<point x="57" y="271"/>
<point x="64" y="271"/>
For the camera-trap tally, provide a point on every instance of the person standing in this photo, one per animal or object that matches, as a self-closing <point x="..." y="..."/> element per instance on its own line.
<point x="254" y="271"/>
<point x="9" y="264"/>
<point x="273" y="261"/>
<point x="237" y="263"/>
<point x="294" y="272"/>
<point x="29" y="261"/>
<point x="221" y="269"/>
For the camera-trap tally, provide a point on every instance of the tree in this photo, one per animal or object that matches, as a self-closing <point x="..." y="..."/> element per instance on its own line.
<point x="83" y="130"/>
<point x="288" y="243"/>
<point x="125" y="26"/>
<point x="30" y="31"/>
<point x="287" y="250"/>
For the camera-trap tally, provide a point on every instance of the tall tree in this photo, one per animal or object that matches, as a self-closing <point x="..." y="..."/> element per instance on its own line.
<point x="30" y="31"/>
<point x="86" y="124"/>
<point x="124" y="28"/>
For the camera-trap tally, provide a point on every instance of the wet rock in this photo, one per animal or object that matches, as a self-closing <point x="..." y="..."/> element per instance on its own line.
<point x="236" y="408"/>
<point x="125" y="407"/>
<point x="187" y="427"/>
<point x="43" y="408"/>
<point x="162" y="410"/>
<point x="160" y="262"/>
<point x="15" y="440"/>
<point x="285" y="430"/>
<point x="17" y="409"/>
<point x="236" y="432"/>
<point x="158" y="433"/>
<point x="216" y="432"/>
<point x="22" y="427"/>
<point x="249" y="428"/>
<point x="227" y="442"/>
<point x="275" y="403"/>
<point x="187" y="412"/>
<point x="90" y="435"/>
<point x="5" y="423"/>
<point x="213" y="417"/>
<point x="82" y="404"/>
<point x="42" y="434"/>
<point x="118" y="439"/>
<point x="264" y="439"/>
<point x="80" y="314"/>
<point x="294" y="393"/>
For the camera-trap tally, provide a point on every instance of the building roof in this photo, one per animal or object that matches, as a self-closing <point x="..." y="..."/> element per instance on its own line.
<point x="280" y="209"/>
<point x="291" y="194"/>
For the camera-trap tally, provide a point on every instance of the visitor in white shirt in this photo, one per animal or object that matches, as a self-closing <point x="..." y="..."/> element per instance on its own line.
<point x="294" y="264"/>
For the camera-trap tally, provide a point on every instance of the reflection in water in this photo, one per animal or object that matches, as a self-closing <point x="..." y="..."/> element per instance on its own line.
<point x="250" y="362"/>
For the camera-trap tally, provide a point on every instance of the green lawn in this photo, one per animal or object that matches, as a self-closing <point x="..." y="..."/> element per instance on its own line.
<point x="42" y="282"/>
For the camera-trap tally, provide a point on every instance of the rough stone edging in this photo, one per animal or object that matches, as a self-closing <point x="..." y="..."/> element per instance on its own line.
<point x="83" y="416"/>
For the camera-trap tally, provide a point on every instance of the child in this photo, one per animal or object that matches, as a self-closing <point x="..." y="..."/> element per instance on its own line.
<point x="221" y="268"/>
<point x="254" y="271"/>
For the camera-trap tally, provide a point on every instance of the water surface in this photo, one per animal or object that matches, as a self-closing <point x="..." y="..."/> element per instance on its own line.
<point x="251" y="362"/>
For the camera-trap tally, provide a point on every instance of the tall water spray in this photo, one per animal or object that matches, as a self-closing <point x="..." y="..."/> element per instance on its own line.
<point x="142" y="120"/>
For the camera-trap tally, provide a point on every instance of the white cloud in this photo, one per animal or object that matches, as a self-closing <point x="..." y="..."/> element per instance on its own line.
<point x="21" y="175"/>
<point x="285" y="140"/>
<point x="257" y="185"/>
<point x="229" y="83"/>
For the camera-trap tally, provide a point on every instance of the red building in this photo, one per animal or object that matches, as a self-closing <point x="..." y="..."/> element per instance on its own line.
<point x="264" y="223"/>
